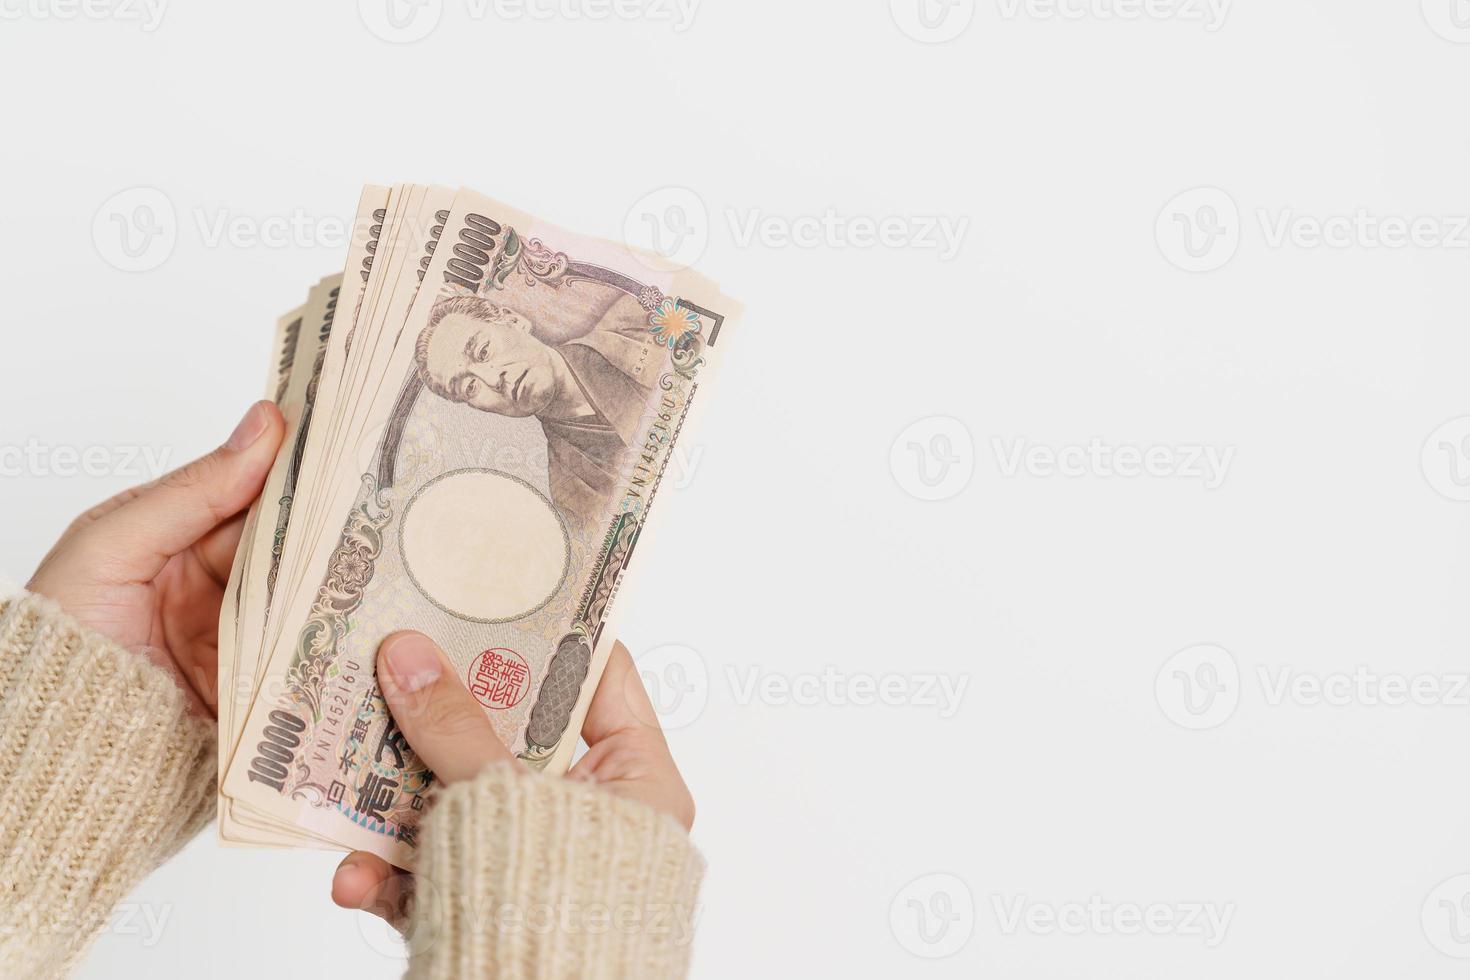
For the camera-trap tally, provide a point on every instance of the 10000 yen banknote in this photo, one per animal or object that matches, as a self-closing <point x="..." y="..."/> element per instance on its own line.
<point x="522" y="413"/>
<point x="253" y="577"/>
<point x="278" y="381"/>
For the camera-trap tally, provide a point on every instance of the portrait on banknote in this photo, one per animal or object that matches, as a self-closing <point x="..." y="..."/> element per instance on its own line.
<point x="588" y="392"/>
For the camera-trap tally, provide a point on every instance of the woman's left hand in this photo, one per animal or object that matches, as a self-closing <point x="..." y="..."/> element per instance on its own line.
<point x="147" y="569"/>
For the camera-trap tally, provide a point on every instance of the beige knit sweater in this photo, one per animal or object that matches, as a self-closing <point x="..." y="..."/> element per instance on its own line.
<point x="106" y="774"/>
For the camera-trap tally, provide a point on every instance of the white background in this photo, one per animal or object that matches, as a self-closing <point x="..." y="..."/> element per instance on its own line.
<point x="1083" y="764"/>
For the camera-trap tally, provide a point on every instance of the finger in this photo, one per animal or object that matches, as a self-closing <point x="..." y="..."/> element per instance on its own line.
<point x="111" y="504"/>
<point x="367" y="882"/>
<point x="357" y="877"/>
<point x="141" y="535"/>
<point x="626" y="745"/>
<point x="216" y="550"/>
<point x="442" y="721"/>
<point x="621" y="702"/>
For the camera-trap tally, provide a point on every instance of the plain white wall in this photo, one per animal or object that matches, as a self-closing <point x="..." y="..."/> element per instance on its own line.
<point x="1086" y="796"/>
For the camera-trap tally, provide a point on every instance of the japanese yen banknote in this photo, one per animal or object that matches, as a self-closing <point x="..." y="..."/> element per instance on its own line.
<point x="480" y="410"/>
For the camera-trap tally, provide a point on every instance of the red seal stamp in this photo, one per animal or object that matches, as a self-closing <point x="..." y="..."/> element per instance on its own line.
<point x="499" y="678"/>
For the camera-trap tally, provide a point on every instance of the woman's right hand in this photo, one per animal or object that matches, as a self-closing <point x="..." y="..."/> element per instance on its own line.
<point x="627" y="753"/>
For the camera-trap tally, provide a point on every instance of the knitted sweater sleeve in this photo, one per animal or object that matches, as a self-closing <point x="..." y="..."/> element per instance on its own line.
<point x="106" y="775"/>
<point x="533" y="877"/>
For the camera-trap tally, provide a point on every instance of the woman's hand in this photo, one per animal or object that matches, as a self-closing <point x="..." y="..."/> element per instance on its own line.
<point x="147" y="569"/>
<point x="447" y="728"/>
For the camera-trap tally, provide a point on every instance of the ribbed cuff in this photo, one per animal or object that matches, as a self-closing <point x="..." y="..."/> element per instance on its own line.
<point x="107" y="773"/>
<point x="527" y="876"/>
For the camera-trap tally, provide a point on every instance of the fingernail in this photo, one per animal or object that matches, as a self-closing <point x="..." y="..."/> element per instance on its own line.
<point x="413" y="663"/>
<point x="346" y="867"/>
<point x="250" y="429"/>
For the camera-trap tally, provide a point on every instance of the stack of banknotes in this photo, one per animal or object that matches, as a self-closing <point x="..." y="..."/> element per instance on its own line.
<point x="479" y="412"/>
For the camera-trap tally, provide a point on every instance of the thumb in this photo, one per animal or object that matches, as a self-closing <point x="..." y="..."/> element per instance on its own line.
<point x="169" y="516"/>
<point x="442" y="721"/>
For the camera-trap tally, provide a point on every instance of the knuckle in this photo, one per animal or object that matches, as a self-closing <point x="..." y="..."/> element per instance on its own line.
<point x="192" y="475"/>
<point x="202" y="480"/>
<point x="448" y="715"/>
<point x="87" y="518"/>
<point x="81" y="521"/>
